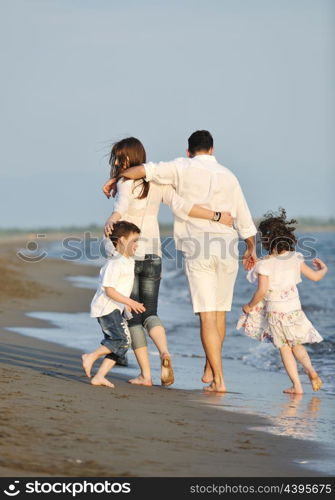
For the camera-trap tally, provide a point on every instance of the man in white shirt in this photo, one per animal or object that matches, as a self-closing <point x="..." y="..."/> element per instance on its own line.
<point x="210" y="249"/>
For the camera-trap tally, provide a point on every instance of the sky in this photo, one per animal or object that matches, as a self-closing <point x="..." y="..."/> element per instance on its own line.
<point x="78" y="75"/>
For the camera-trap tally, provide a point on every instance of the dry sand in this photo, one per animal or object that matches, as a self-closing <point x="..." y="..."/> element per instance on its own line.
<point x="54" y="423"/>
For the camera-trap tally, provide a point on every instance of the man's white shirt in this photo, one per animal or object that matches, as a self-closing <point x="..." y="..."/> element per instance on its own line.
<point x="203" y="181"/>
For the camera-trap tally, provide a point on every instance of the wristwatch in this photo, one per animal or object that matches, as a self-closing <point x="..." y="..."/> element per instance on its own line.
<point x="217" y="216"/>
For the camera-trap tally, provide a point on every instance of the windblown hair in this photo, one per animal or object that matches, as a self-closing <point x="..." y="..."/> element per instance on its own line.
<point x="277" y="232"/>
<point x="123" y="228"/>
<point x="129" y="152"/>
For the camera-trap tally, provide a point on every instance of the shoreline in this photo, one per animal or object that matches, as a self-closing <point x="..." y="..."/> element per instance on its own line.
<point x="166" y="230"/>
<point x="50" y="429"/>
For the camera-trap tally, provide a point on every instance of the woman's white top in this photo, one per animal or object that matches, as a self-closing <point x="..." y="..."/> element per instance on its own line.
<point x="284" y="272"/>
<point x="144" y="212"/>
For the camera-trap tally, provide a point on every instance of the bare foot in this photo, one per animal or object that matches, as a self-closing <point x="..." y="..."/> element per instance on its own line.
<point x="87" y="362"/>
<point x="293" y="390"/>
<point x="140" y="380"/>
<point x="315" y="381"/>
<point x="101" y="381"/>
<point x="207" y="377"/>
<point x="213" y="387"/>
<point x="167" y="375"/>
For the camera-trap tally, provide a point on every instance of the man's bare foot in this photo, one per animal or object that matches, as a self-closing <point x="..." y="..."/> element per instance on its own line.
<point x="213" y="387"/>
<point x="293" y="390"/>
<point x="101" y="381"/>
<point x="87" y="362"/>
<point x="140" y="380"/>
<point x="315" y="381"/>
<point x="207" y="377"/>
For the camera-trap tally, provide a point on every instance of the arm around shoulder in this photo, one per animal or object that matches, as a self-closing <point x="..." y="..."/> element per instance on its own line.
<point x="164" y="172"/>
<point x="184" y="209"/>
<point x="176" y="203"/>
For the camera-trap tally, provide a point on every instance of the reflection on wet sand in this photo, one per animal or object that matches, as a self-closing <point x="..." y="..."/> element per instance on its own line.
<point x="212" y="398"/>
<point x="296" y="417"/>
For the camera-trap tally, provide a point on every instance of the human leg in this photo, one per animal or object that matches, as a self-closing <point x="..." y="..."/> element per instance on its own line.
<point x="100" y="377"/>
<point x="290" y="366"/>
<point x="142" y="357"/>
<point x="211" y="342"/>
<point x="114" y="346"/>
<point x="211" y="282"/>
<point x="138" y="336"/>
<point x="221" y="326"/>
<point x="140" y="348"/>
<point x="226" y="268"/>
<point x="149" y="287"/>
<point x="202" y="279"/>
<point x="302" y="356"/>
<point x="89" y="359"/>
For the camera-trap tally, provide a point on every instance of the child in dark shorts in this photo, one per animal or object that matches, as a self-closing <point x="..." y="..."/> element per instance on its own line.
<point x="112" y="303"/>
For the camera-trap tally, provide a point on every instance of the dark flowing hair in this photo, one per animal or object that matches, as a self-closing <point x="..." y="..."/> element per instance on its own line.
<point x="277" y="232"/>
<point x="129" y="152"/>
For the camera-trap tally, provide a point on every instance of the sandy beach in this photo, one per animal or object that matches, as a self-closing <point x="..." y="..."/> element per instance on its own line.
<point x="54" y="423"/>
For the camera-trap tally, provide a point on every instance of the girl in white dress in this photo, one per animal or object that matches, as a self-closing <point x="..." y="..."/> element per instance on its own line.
<point x="274" y="313"/>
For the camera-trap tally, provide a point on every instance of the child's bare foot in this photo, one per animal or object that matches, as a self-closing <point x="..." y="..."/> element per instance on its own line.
<point x="315" y="381"/>
<point x="213" y="387"/>
<point x="96" y="380"/>
<point x="207" y="377"/>
<point x="140" y="380"/>
<point x="87" y="362"/>
<point x="293" y="390"/>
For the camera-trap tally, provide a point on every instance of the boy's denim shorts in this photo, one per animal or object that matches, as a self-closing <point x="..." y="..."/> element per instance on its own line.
<point x="116" y="333"/>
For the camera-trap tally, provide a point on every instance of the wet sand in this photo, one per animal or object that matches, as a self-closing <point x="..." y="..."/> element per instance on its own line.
<point x="54" y="423"/>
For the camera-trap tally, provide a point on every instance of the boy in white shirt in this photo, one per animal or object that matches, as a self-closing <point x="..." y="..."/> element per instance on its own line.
<point x="112" y="302"/>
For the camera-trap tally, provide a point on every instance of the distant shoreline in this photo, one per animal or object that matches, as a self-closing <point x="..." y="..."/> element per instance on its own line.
<point x="96" y="231"/>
